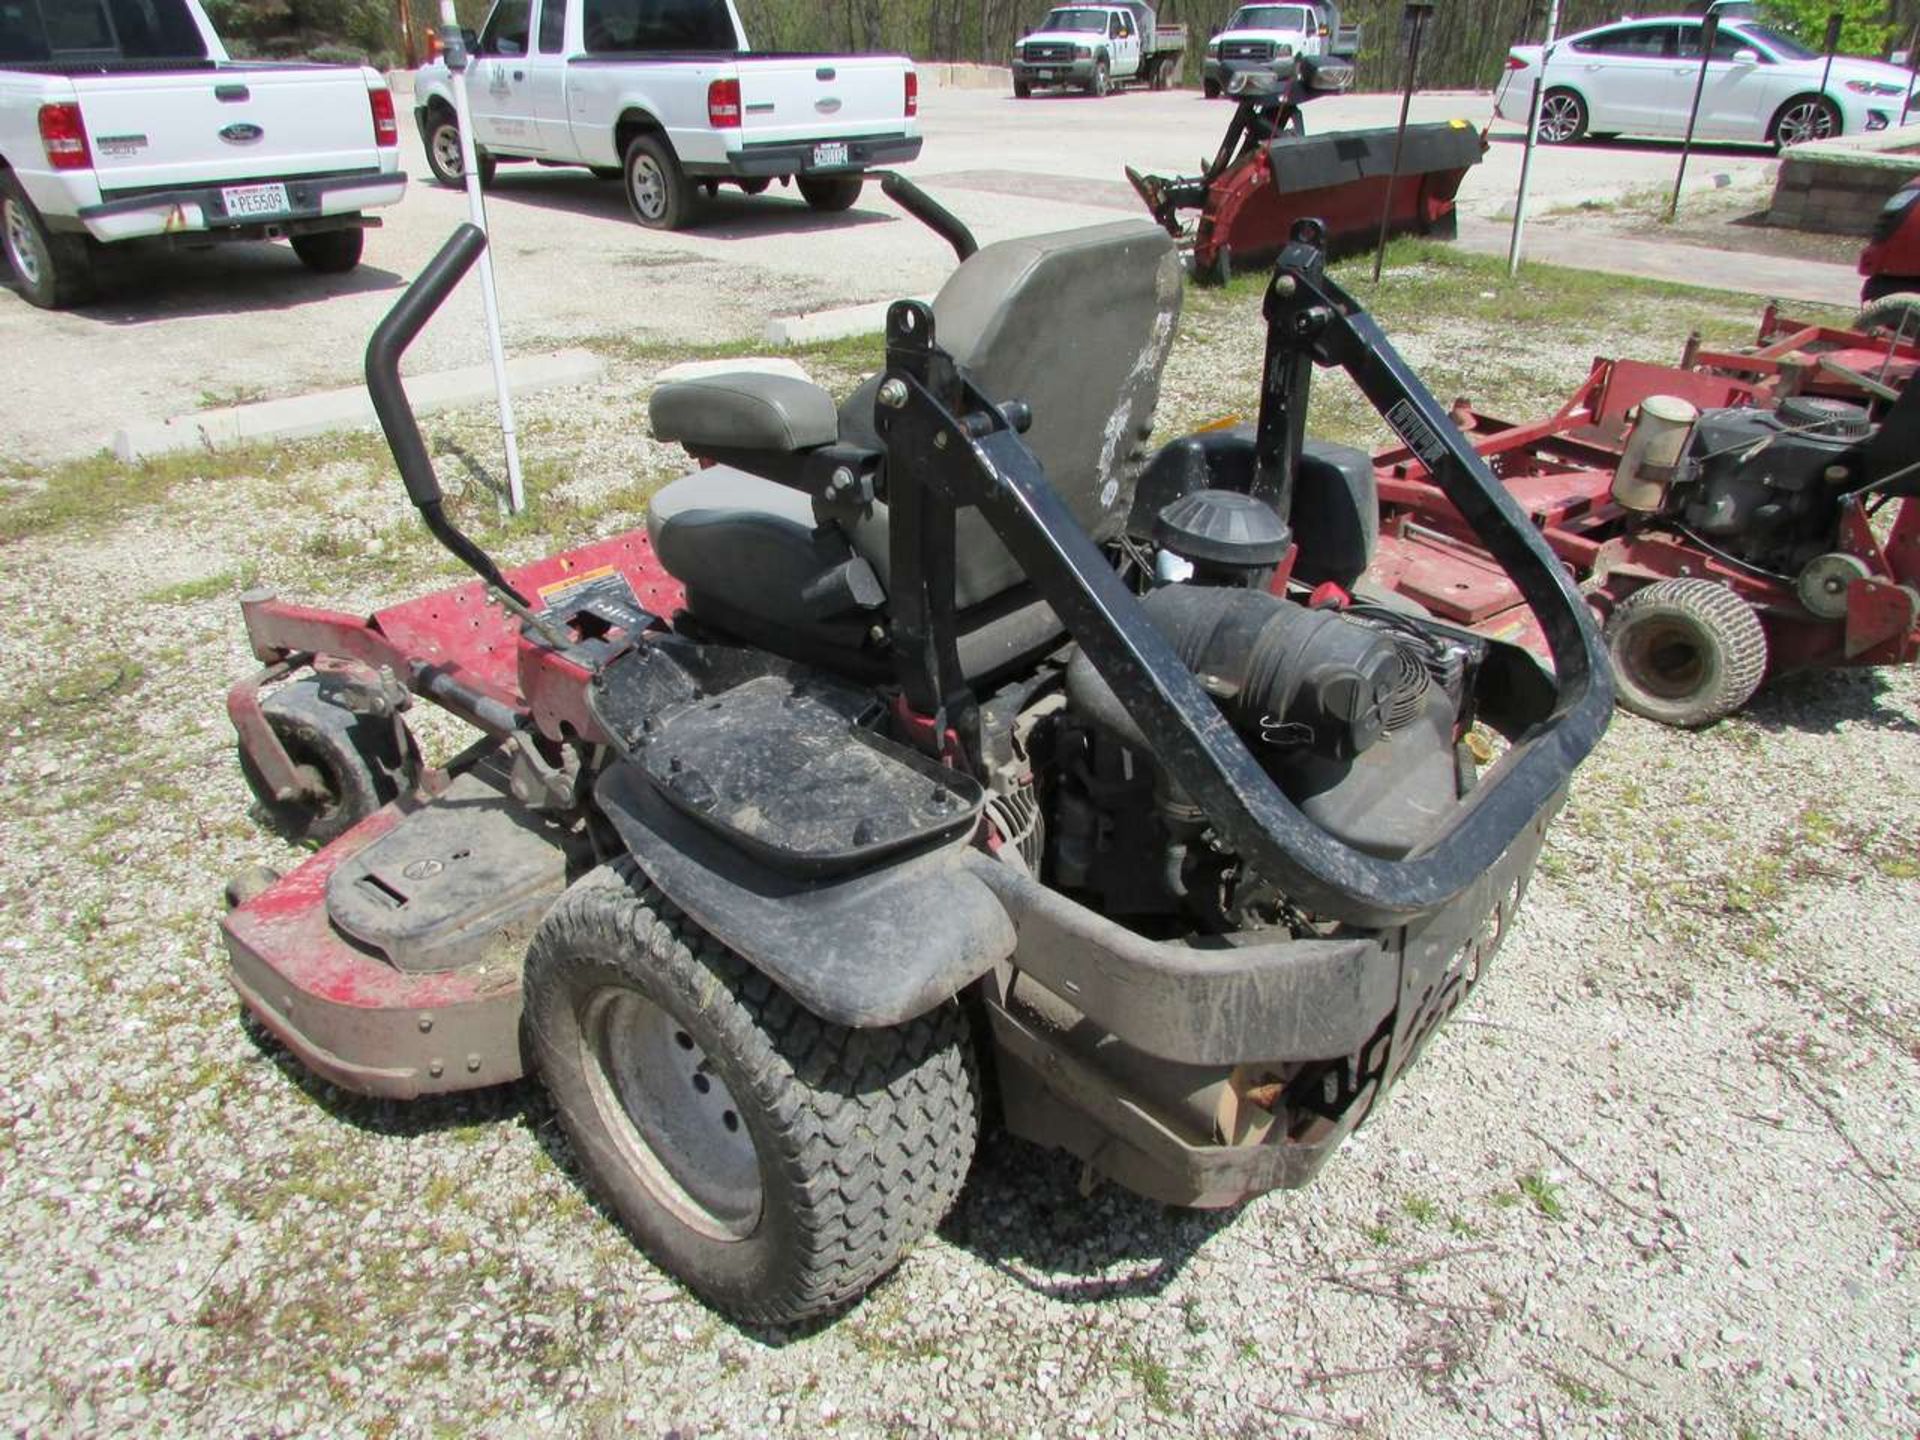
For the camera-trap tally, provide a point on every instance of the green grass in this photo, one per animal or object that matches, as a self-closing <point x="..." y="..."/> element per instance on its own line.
<point x="227" y="582"/>
<point x="1150" y="1374"/>
<point x="1420" y="1209"/>
<point x="1544" y="1194"/>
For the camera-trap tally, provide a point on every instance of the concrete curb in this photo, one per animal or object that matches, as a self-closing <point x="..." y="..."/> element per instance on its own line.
<point x="821" y="325"/>
<point x="300" y="416"/>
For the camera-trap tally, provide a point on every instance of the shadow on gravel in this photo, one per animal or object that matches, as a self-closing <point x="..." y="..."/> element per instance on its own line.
<point x="1814" y="702"/>
<point x="1730" y="149"/>
<point x="1023" y="1214"/>
<point x="235" y="279"/>
<point x="730" y="215"/>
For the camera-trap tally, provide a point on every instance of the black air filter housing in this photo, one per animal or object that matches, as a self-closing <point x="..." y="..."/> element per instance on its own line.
<point x="1230" y="538"/>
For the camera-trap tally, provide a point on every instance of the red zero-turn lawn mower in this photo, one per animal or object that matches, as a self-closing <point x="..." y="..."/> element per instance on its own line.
<point x="891" y="768"/>
<point x="1268" y="174"/>
<point x="1741" y="515"/>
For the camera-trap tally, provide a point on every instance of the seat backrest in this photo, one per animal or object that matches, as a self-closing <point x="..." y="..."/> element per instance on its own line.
<point x="1078" y="325"/>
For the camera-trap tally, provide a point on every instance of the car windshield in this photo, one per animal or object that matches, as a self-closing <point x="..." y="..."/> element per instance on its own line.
<point x="1785" y="46"/>
<point x="1270" y="17"/>
<point x="1094" y="22"/>
<point x="42" y="30"/>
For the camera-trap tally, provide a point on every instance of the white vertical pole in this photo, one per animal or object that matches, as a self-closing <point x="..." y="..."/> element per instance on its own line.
<point x="1533" y="132"/>
<point x="454" y="48"/>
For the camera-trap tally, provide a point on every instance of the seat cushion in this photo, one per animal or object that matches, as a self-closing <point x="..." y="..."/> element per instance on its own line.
<point x="744" y="410"/>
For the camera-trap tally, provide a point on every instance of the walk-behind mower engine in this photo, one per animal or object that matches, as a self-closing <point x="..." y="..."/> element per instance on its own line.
<point x="1760" y="485"/>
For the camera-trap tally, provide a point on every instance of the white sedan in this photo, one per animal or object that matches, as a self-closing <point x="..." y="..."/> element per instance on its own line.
<point x="1638" y="78"/>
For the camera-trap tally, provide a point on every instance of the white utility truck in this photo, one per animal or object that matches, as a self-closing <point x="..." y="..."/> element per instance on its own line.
<point x="125" y="121"/>
<point x="1269" y="38"/>
<point x="665" y="96"/>
<point x="1095" y="47"/>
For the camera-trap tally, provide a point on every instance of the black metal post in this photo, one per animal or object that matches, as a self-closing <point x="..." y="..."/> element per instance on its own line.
<point x="1834" y="22"/>
<point x="1416" y="15"/>
<point x="1709" y="32"/>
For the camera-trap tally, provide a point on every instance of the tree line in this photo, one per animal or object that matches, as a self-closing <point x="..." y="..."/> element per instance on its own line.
<point x="1464" y="45"/>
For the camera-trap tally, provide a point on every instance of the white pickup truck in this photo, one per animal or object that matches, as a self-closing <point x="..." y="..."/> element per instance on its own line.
<point x="1269" y="37"/>
<point x="1095" y="47"/>
<point x="124" y="120"/>
<point x="665" y="96"/>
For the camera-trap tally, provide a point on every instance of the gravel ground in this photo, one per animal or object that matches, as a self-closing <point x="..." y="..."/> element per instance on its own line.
<point x="1660" y="1178"/>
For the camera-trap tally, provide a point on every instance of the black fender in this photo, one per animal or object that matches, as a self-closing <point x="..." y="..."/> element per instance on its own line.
<point x="875" y="948"/>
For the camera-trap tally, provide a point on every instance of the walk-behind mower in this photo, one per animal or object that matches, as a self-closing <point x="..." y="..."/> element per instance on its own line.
<point x="1738" y="516"/>
<point x="939" y="751"/>
<point x="1269" y="174"/>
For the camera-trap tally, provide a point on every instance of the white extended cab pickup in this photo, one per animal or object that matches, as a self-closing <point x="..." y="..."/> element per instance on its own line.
<point x="124" y="120"/>
<point x="665" y="96"/>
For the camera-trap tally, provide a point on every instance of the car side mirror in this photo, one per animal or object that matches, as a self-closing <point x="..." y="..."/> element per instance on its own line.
<point x="1746" y="56"/>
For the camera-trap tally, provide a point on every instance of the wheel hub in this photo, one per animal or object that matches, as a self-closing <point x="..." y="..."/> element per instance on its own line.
<point x="23" y="246"/>
<point x="446" y="149"/>
<point x="648" y="186"/>
<point x="671" y="1114"/>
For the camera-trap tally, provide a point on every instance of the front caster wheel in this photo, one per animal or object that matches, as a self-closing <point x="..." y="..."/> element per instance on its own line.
<point x="777" y="1164"/>
<point x="355" y="758"/>
<point x="1686" y="652"/>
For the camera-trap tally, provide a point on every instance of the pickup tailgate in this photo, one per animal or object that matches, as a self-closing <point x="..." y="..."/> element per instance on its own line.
<point x="233" y="122"/>
<point x="791" y="98"/>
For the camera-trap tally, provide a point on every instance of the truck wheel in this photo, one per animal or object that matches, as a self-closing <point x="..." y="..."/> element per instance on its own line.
<point x="1896" y="314"/>
<point x="831" y="192"/>
<point x="1686" y="652"/>
<point x="754" y="184"/>
<point x="52" y="270"/>
<point x="1210" y="89"/>
<point x="1101" y="82"/>
<point x="1021" y="90"/>
<point x="443" y="154"/>
<point x="1160" y="77"/>
<point x="331" y="252"/>
<point x="777" y="1164"/>
<point x="359" y="763"/>
<point x="657" y="188"/>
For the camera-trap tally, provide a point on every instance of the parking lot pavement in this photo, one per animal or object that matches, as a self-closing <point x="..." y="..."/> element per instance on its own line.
<point x="176" y="333"/>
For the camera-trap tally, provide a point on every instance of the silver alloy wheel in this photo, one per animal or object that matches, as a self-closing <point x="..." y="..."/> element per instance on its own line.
<point x="24" y="253"/>
<point x="1559" y="119"/>
<point x="1807" y="120"/>
<point x="446" y="150"/>
<point x="675" y="1123"/>
<point x="648" y="186"/>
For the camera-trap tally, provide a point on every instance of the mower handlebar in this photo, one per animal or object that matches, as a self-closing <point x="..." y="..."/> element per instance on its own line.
<point x="390" y="341"/>
<point x="929" y="212"/>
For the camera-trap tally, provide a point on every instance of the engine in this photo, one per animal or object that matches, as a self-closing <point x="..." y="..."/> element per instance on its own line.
<point x="1355" y="713"/>
<point x="1762" y="486"/>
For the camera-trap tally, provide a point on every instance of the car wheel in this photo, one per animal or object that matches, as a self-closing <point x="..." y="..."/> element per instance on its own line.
<point x="332" y="252"/>
<point x="830" y="192"/>
<point x="53" y="271"/>
<point x="443" y="154"/>
<point x="657" y="188"/>
<point x="1686" y="652"/>
<point x="776" y="1163"/>
<point x="1804" y="118"/>
<point x="1563" y="117"/>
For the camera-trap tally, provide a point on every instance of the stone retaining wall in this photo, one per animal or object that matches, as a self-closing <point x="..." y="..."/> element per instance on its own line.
<point x="1837" y="187"/>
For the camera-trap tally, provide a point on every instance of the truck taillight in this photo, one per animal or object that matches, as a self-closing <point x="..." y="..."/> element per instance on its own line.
<point x="723" y="104"/>
<point x="913" y="94"/>
<point x="63" y="135"/>
<point x="386" y="130"/>
<point x="1514" y="62"/>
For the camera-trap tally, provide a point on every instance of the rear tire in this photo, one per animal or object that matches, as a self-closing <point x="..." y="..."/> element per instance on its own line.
<point x="1563" y="117"/>
<point x="331" y="252"/>
<point x="658" y="192"/>
<point x="356" y="757"/>
<point x="1897" y="313"/>
<point x="1686" y="652"/>
<point x="777" y="1164"/>
<point x="830" y="193"/>
<point x="1210" y="89"/>
<point x="1101" y="82"/>
<point x="52" y="271"/>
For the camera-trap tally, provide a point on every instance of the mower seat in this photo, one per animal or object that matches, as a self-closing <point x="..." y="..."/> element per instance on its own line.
<point x="1076" y="324"/>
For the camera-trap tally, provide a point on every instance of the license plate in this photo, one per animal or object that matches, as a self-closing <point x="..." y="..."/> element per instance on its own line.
<point x="253" y="202"/>
<point x="1043" y="74"/>
<point x="829" y="155"/>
